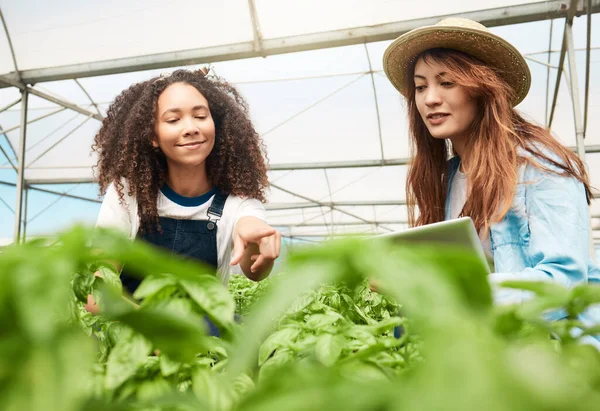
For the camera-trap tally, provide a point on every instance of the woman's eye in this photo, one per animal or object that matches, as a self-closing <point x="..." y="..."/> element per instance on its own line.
<point x="447" y="84"/>
<point x="172" y="120"/>
<point x="419" y="88"/>
<point x="201" y="117"/>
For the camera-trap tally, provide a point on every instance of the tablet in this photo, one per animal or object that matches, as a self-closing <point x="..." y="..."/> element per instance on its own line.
<point x="460" y="231"/>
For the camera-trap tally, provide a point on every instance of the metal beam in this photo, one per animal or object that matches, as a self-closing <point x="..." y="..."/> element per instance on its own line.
<point x="548" y="70"/>
<point x="25" y="207"/>
<point x="14" y="167"/>
<point x="21" y="167"/>
<point x="291" y="237"/>
<point x="58" y="193"/>
<point x="316" y="103"/>
<point x="577" y="117"/>
<point x="10" y="45"/>
<point x="255" y="26"/>
<point x="594" y="148"/>
<point x="559" y="72"/>
<point x="63" y="194"/>
<point x="313" y="204"/>
<point x="290" y="206"/>
<point x="9" y="105"/>
<point x="62" y="180"/>
<point x="8" y="130"/>
<point x="8" y="82"/>
<point x="326" y="235"/>
<point x="587" y="65"/>
<point x="545" y="64"/>
<point x="88" y="96"/>
<point x="535" y="53"/>
<point x="341" y="224"/>
<point x="58" y="142"/>
<point x="333" y="207"/>
<point x="340" y="164"/>
<point x="491" y="17"/>
<point x="376" y="101"/>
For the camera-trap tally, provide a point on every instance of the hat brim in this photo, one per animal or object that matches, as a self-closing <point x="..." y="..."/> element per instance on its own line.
<point x="400" y="56"/>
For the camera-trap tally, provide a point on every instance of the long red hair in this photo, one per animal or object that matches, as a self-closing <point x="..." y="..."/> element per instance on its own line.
<point x="496" y="137"/>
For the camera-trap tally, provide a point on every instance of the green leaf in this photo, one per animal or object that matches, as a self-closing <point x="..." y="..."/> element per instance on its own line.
<point x="242" y="386"/>
<point x="211" y="388"/>
<point x="181" y="338"/>
<point x="301" y="303"/>
<point x="82" y="284"/>
<point x="272" y="365"/>
<point x="328" y="348"/>
<point x="115" y="332"/>
<point x="167" y="366"/>
<point x="363" y="372"/>
<point x="595" y="330"/>
<point x="52" y="376"/>
<point x="318" y="321"/>
<point x="182" y="307"/>
<point x="588" y="293"/>
<point x="41" y="294"/>
<point x="110" y="276"/>
<point x="152" y="389"/>
<point x="128" y="355"/>
<point x="152" y="285"/>
<point x="278" y="339"/>
<point x="387" y="325"/>
<point x="213" y="298"/>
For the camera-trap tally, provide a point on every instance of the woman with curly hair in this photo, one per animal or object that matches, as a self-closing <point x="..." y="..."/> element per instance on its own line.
<point x="182" y="167"/>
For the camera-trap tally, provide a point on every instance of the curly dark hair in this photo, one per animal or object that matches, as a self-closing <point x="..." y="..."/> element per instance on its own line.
<point x="236" y="165"/>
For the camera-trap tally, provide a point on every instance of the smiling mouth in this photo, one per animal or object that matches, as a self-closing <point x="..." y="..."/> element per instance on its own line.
<point x="192" y="144"/>
<point x="437" y="116"/>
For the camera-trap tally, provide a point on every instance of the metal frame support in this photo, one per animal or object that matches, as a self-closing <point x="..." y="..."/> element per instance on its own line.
<point x="542" y="10"/>
<point x="376" y="101"/>
<point x="341" y="224"/>
<point x="320" y="203"/>
<point x="21" y="167"/>
<point x="587" y="65"/>
<point x="577" y="114"/>
<point x="257" y="43"/>
<point x="5" y="81"/>
<point x="577" y="117"/>
<point x="561" y="62"/>
<point x="58" y="193"/>
<point x="25" y="207"/>
<point x="333" y="204"/>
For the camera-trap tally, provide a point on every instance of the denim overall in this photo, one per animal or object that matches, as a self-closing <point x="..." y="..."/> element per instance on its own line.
<point x="194" y="239"/>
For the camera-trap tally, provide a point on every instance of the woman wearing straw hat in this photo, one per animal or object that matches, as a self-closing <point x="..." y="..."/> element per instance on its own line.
<point x="475" y="155"/>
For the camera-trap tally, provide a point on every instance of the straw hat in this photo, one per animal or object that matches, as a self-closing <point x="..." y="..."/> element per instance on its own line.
<point x="459" y="34"/>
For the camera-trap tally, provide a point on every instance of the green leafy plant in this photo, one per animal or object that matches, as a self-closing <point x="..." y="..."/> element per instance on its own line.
<point x="314" y="337"/>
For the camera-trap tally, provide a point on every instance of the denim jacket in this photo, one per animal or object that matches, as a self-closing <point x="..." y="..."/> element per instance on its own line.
<point x="545" y="236"/>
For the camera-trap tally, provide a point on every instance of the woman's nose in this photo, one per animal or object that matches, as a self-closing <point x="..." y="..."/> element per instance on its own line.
<point x="190" y="127"/>
<point x="432" y="96"/>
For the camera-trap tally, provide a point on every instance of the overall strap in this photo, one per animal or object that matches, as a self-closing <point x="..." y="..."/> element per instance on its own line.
<point x="216" y="207"/>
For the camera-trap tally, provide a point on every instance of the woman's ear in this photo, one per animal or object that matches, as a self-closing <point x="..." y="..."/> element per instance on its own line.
<point x="154" y="144"/>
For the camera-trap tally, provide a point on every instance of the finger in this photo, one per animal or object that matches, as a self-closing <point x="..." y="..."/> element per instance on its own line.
<point x="254" y="257"/>
<point x="270" y="246"/>
<point x="258" y="234"/>
<point x="258" y="263"/>
<point x="238" y="250"/>
<point x="277" y="244"/>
